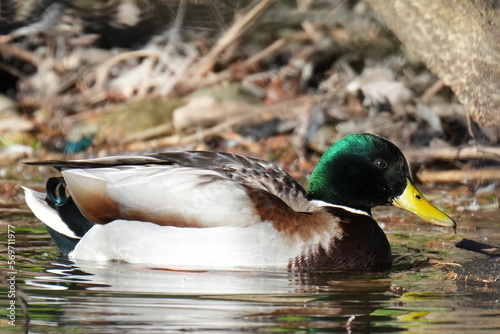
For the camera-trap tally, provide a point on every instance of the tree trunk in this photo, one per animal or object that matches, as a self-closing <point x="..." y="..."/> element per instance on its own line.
<point x="458" y="40"/>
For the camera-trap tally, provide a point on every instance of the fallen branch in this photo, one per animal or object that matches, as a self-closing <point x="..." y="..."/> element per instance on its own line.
<point x="285" y="109"/>
<point x="448" y="176"/>
<point x="420" y="156"/>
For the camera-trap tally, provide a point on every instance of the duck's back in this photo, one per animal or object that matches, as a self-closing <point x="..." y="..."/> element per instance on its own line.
<point x="184" y="189"/>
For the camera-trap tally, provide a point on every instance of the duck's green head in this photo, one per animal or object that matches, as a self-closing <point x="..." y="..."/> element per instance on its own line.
<point x="362" y="171"/>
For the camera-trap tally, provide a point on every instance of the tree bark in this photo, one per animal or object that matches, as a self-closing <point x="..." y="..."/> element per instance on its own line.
<point x="458" y="40"/>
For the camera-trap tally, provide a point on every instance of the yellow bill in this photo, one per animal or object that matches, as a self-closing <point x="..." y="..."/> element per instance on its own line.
<point x="413" y="201"/>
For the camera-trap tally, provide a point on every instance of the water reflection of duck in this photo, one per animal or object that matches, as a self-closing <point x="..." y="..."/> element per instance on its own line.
<point x="119" y="296"/>
<point x="219" y="210"/>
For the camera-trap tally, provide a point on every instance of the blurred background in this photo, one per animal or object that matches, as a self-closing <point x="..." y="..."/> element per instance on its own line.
<point x="279" y="80"/>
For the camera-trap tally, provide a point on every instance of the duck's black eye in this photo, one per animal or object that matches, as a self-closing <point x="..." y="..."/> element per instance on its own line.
<point x="381" y="163"/>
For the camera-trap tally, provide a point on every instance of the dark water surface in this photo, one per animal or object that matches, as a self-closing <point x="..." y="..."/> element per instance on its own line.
<point x="416" y="296"/>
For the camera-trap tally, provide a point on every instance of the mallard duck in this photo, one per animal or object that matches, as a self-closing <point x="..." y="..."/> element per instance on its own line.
<point x="211" y="210"/>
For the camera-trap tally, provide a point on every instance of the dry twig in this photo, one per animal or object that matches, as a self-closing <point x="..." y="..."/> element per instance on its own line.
<point x="237" y="29"/>
<point x="103" y="70"/>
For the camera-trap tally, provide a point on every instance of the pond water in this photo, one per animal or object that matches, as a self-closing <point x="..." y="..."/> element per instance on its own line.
<point x="416" y="296"/>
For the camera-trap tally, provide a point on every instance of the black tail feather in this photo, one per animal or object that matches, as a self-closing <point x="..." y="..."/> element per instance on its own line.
<point x="64" y="243"/>
<point x="66" y="208"/>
